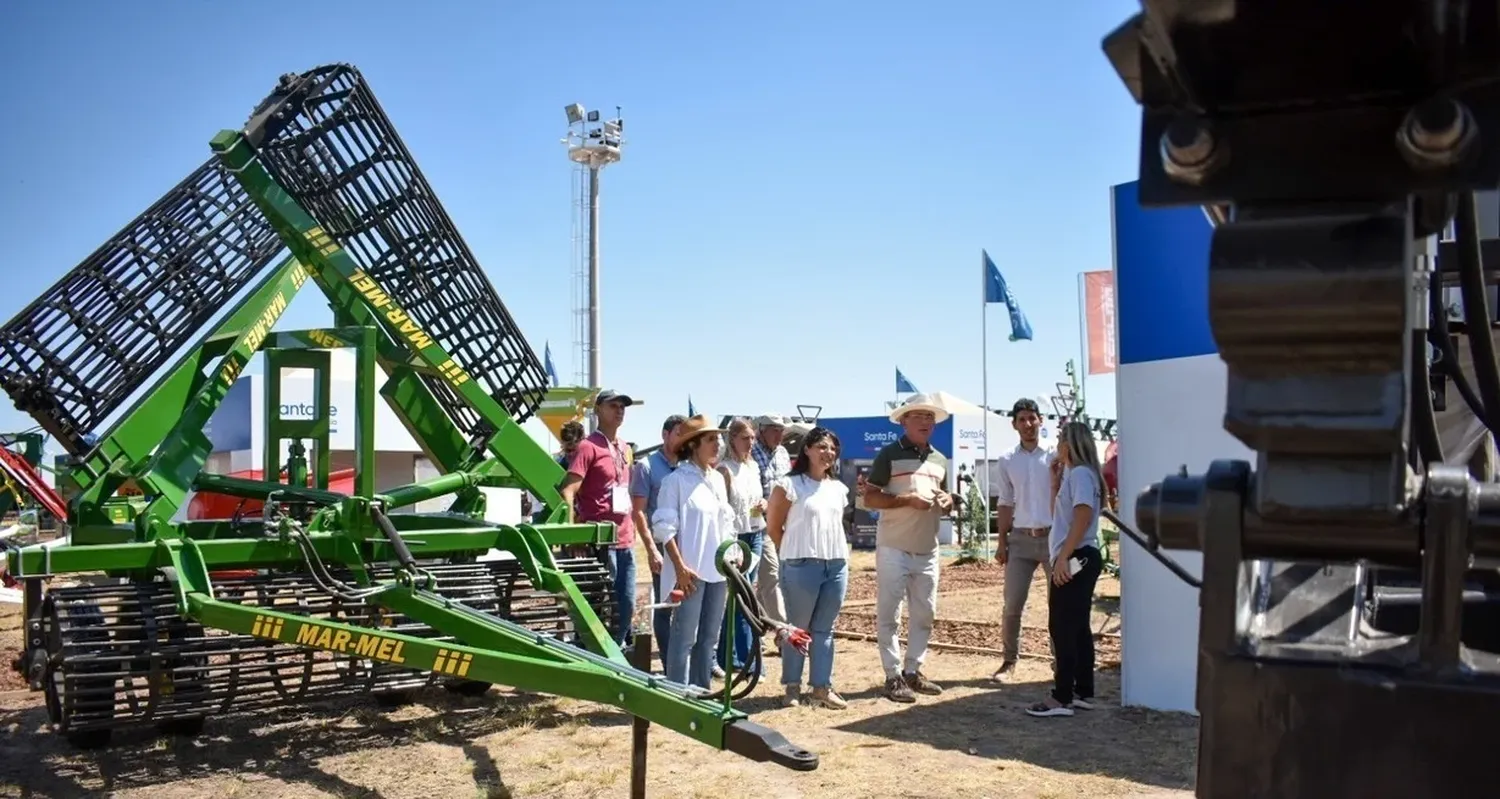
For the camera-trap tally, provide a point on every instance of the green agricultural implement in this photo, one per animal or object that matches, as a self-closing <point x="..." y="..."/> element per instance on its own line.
<point x="165" y="620"/>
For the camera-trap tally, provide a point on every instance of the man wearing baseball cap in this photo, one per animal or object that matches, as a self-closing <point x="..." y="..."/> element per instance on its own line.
<point x="597" y="487"/>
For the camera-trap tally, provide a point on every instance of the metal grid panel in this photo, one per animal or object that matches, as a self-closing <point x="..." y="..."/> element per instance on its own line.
<point x="325" y="139"/>
<point x="77" y="353"/>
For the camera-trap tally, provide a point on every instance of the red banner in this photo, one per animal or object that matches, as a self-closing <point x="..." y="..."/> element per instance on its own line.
<point x="1099" y="320"/>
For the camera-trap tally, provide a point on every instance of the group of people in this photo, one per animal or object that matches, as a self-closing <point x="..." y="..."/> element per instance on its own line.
<point x="708" y="485"/>
<point x="1047" y="504"/>
<point x="705" y="486"/>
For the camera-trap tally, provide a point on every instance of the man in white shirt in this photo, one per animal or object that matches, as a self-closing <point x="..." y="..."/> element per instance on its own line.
<point x="1022" y="497"/>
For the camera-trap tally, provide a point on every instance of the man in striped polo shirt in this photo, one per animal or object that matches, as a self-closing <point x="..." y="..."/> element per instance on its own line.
<point x="906" y="485"/>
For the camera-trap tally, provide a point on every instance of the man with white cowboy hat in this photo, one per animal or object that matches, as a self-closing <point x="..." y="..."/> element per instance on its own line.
<point x="906" y="484"/>
<point x="774" y="462"/>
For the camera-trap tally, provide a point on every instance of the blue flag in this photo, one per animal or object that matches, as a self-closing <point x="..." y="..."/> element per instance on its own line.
<point x="904" y="386"/>
<point x="547" y="362"/>
<point x="995" y="291"/>
<point x="691" y="412"/>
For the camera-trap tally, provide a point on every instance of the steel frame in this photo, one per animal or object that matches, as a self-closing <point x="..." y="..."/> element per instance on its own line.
<point x="1327" y="145"/>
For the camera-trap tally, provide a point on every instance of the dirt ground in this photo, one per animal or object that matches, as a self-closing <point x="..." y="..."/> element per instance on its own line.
<point x="974" y="741"/>
<point x="971" y="604"/>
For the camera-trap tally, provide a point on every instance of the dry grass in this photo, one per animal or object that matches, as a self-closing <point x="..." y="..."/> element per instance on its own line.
<point x="974" y="741"/>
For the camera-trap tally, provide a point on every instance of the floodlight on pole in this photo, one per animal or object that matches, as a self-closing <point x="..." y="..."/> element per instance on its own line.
<point x="592" y="144"/>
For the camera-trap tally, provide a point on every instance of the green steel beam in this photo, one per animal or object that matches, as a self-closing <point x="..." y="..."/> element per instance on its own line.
<point x="424" y="418"/>
<point x="246" y="488"/>
<point x="160" y="441"/>
<point x="364" y="341"/>
<point x="364" y="412"/>
<point x="533" y="467"/>
<point x="532" y="549"/>
<point x="439" y="486"/>
<point x="500" y="653"/>
<point x="280" y="430"/>
<point x="252" y="552"/>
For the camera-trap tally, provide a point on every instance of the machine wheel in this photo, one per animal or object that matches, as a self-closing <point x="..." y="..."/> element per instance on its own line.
<point x="69" y="686"/>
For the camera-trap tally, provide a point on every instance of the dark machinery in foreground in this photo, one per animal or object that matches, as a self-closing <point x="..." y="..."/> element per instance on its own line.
<point x="320" y="593"/>
<point x="1329" y="141"/>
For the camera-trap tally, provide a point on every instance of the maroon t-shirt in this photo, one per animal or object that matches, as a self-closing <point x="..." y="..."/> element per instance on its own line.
<point x="601" y="467"/>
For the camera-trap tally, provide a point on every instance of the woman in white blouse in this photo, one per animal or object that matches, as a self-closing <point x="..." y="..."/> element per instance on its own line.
<point x="747" y="499"/>
<point x="806" y="522"/>
<point x="692" y="519"/>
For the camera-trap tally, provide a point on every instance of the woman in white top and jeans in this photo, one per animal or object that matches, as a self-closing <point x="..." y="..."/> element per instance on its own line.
<point x="747" y="498"/>
<point x="692" y="519"/>
<point x="806" y="522"/>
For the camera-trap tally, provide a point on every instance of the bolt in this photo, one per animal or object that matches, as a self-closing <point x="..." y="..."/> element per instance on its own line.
<point x="693" y="725"/>
<point x="1436" y="124"/>
<point x="1189" y="150"/>
<point x="1437" y="133"/>
<point x="622" y="697"/>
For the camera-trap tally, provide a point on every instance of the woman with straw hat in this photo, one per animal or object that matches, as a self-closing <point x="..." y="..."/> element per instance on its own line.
<point x="693" y="517"/>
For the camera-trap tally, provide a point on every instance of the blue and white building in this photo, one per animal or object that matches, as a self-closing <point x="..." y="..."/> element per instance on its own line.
<point x="1170" y="396"/>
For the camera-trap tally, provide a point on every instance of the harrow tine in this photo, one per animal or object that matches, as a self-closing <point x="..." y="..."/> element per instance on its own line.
<point x="127" y="659"/>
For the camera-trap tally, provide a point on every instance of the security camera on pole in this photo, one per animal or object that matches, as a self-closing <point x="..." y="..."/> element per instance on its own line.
<point x="592" y="144"/>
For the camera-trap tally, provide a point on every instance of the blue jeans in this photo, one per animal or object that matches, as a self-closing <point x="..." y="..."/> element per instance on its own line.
<point x="814" y="590"/>
<point x="695" y="634"/>
<point x="744" y="637"/>
<point x="622" y="572"/>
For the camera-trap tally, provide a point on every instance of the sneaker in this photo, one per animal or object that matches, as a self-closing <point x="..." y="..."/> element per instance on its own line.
<point x="1042" y="710"/>
<point x="829" y="698"/>
<point x="792" y="696"/>
<point x="718" y="672"/>
<point x="919" y="683"/>
<point x="1082" y="704"/>
<point x="897" y="690"/>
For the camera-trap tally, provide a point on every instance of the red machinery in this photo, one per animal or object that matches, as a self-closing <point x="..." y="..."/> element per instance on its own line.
<point x="28" y="479"/>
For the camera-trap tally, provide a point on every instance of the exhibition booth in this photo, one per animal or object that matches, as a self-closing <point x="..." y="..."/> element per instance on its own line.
<point x="1170" y="391"/>
<point x="237" y="431"/>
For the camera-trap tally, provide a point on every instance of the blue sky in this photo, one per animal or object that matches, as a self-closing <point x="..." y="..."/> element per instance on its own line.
<point x="804" y="195"/>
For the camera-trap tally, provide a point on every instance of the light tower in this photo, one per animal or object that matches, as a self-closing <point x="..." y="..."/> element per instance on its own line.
<point x="592" y="144"/>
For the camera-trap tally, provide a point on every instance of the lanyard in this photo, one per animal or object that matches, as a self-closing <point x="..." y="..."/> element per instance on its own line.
<point x="618" y="455"/>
